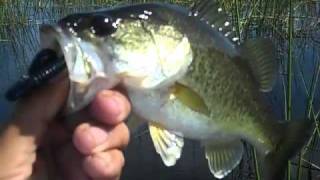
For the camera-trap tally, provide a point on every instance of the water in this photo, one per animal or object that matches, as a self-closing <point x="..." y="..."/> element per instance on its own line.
<point x="8" y="74"/>
<point x="21" y="43"/>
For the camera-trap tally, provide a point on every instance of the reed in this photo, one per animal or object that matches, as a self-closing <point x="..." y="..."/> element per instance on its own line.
<point x="279" y="20"/>
<point x="290" y="73"/>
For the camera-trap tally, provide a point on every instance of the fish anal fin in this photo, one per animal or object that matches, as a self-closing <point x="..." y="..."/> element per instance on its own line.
<point x="258" y="58"/>
<point x="167" y="144"/>
<point x="190" y="98"/>
<point x="223" y="157"/>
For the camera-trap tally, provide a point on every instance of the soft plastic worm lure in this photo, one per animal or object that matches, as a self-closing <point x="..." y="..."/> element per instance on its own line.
<point x="45" y="65"/>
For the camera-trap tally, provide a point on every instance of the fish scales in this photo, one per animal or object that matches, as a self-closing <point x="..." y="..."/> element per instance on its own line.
<point x="226" y="90"/>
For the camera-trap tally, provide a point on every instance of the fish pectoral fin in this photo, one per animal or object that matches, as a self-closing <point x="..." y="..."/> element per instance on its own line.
<point x="223" y="157"/>
<point x="167" y="143"/>
<point x="189" y="98"/>
<point x="259" y="59"/>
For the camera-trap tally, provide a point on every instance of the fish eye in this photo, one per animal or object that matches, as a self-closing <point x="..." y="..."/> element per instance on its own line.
<point x="102" y="25"/>
<point x="75" y="23"/>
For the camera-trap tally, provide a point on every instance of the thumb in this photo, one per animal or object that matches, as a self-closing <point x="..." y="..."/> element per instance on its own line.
<point x="33" y="113"/>
<point x="20" y="139"/>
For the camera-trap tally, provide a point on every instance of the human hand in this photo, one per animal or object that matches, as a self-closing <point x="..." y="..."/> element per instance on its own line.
<point x="87" y="149"/>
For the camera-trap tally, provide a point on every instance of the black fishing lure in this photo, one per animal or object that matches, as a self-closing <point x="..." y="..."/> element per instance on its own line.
<point x="44" y="67"/>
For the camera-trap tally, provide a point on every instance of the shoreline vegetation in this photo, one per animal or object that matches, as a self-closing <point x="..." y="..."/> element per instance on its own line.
<point x="294" y="26"/>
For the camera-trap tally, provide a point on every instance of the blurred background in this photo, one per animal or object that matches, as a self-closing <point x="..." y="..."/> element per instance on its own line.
<point x="293" y="25"/>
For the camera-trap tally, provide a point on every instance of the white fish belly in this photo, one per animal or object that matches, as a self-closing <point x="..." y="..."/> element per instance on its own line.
<point x="156" y="106"/>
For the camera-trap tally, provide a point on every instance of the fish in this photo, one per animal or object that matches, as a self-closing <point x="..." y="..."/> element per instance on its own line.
<point x="187" y="74"/>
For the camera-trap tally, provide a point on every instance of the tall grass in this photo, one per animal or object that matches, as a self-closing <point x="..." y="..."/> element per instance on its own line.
<point x="289" y="75"/>
<point x="280" y="20"/>
<point x="292" y="24"/>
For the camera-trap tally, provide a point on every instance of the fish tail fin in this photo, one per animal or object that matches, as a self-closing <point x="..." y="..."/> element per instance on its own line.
<point x="291" y="137"/>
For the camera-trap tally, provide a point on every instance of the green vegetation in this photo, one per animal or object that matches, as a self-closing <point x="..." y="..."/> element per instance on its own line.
<point x="292" y="24"/>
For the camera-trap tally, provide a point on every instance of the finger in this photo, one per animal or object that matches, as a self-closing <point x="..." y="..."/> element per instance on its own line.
<point x="21" y="137"/>
<point x="118" y="138"/>
<point x="89" y="139"/>
<point x="35" y="111"/>
<point x="110" y="107"/>
<point x="104" y="165"/>
<point x="69" y="162"/>
<point x="101" y="110"/>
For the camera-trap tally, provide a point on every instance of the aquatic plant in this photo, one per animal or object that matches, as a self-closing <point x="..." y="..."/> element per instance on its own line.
<point x="293" y="26"/>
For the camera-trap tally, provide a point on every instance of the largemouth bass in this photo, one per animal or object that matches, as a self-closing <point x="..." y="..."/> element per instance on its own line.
<point x="187" y="74"/>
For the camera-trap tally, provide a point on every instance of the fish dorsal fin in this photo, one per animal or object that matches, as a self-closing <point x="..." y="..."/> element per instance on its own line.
<point x="258" y="56"/>
<point x="223" y="157"/>
<point x="167" y="143"/>
<point x="211" y="13"/>
<point x="190" y="98"/>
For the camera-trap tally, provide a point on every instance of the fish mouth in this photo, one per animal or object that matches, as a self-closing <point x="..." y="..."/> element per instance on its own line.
<point x="86" y="69"/>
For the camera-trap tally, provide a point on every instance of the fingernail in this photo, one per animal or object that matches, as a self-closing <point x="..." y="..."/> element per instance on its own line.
<point x="99" y="135"/>
<point x="117" y="106"/>
<point x="111" y="101"/>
